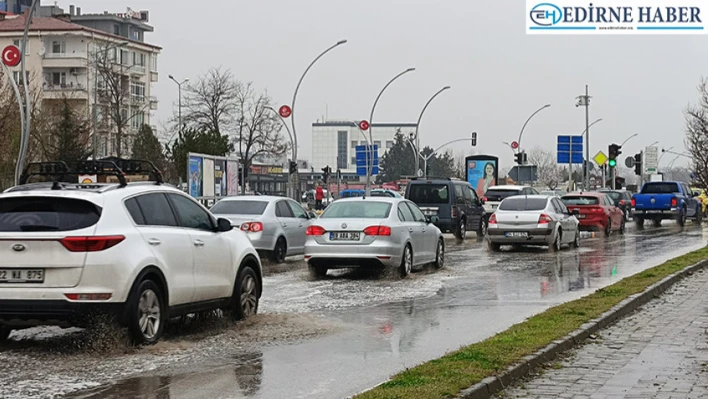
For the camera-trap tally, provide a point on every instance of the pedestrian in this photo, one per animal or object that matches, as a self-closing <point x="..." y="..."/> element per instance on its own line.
<point x="319" y="196"/>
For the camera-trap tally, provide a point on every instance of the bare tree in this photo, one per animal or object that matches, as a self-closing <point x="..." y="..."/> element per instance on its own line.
<point x="211" y="103"/>
<point x="696" y="140"/>
<point x="549" y="173"/>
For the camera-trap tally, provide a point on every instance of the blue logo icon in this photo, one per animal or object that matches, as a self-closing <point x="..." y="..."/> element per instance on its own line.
<point x="546" y="14"/>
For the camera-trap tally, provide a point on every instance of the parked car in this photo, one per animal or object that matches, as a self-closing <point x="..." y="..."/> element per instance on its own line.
<point x="495" y="194"/>
<point x="622" y="200"/>
<point x="596" y="212"/>
<point x="351" y="193"/>
<point x="380" y="192"/>
<point x="374" y="231"/>
<point x="275" y="225"/>
<point x="143" y="252"/>
<point x="659" y="201"/>
<point x="454" y="202"/>
<point x="533" y="220"/>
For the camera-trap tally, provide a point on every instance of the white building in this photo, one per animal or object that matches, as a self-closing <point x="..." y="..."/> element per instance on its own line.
<point x="334" y="142"/>
<point x="60" y="64"/>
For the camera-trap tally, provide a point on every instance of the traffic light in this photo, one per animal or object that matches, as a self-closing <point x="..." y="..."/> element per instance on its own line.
<point x="638" y="164"/>
<point x="521" y="158"/>
<point x="474" y="139"/>
<point x="326" y="171"/>
<point x="615" y="152"/>
<point x="293" y="167"/>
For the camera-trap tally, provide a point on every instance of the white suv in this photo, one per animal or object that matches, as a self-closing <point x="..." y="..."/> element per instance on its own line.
<point x="142" y="252"/>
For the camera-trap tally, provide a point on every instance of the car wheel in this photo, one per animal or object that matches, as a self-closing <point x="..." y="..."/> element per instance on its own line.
<point x="556" y="245"/>
<point x="576" y="241"/>
<point x="639" y="222"/>
<point x="656" y="222"/>
<point x="244" y="302"/>
<point x="406" y="262"/>
<point x="608" y="228"/>
<point x="440" y="255"/>
<point x="461" y="232"/>
<point x="623" y="227"/>
<point x="147" y="313"/>
<point x="482" y="229"/>
<point x="279" y="251"/>
<point x="699" y="216"/>
<point x="494" y="247"/>
<point x="625" y="215"/>
<point x="681" y="220"/>
<point x="4" y="333"/>
<point x="317" y="271"/>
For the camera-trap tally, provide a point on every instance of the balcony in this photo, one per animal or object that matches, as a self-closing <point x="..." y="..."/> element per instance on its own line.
<point x="69" y="91"/>
<point x="65" y="60"/>
<point x="153" y="103"/>
<point x="153" y="76"/>
<point x="137" y="99"/>
<point x="137" y="70"/>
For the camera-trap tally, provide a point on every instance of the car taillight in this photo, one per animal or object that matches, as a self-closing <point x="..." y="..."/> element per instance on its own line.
<point x="544" y="219"/>
<point x="454" y="211"/>
<point x="90" y="243"/>
<point x="377" y="231"/>
<point x="621" y="202"/>
<point x="253" y="227"/>
<point x="314" y="231"/>
<point x="634" y="202"/>
<point x="89" y="297"/>
<point x="493" y="219"/>
<point x="596" y="210"/>
<point x="674" y="202"/>
<point x="484" y="199"/>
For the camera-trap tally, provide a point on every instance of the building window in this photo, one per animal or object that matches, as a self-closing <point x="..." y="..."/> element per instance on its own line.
<point x="353" y="161"/>
<point x="18" y="77"/>
<point x="59" y="78"/>
<point x="153" y="62"/>
<point x="137" y="118"/>
<point x="354" y="144"/>
<point x="104" y="146"/>
<point x="116" y="29"/>
<point x="389" y="144"/>
<point x="137" y="91"/>
<point x="139" y="59"/>
<point x="18" y="43"/>
<point x="58" y="47"/>
<point x="125" y="57"/>
<point x="377" y="143"/>
<point x="342" y="139"/>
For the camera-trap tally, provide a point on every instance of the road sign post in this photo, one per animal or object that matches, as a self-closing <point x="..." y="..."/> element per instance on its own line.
<point x="365" y="158"/>
<point x="11" y="56"/>
<point x="651" y="160"/>
<point x="570" y="151"/>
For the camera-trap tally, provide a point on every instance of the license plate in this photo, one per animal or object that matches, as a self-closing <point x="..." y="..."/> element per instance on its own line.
<point x="653" y="211"/>
<point x="21" y="276"/>
<point x="494" y="206"/>
<point x="343" y="236"/>
<point x="517" y="234"/>
<point x="581" y="216"/>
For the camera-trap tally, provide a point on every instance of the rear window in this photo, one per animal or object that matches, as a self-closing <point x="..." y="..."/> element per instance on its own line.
<point x="660" y="188"/>
<point x="523" y="204"/>
<point x="429" y="194"/>
<point x="239" y="207"/>
<point x="498" y="195"/>
<point x="46" y="214"/>
<point x="579" y="200"/>
<point x="357" y="209"/>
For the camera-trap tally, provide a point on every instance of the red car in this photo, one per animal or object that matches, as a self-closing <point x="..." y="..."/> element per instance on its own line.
<point x="597" y="212"/>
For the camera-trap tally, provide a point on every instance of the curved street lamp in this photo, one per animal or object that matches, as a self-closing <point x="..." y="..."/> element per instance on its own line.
<point x="24" y="137"/>
<point x="427" y="158"/>
<point x="417" y="125"/>
<point x="527" y="122"/>
<point x="370" y="164"/>
<point x="634" y="135"/>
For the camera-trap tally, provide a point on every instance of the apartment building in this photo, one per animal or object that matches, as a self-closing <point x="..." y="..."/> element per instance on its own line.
<point x="61" y="58"/>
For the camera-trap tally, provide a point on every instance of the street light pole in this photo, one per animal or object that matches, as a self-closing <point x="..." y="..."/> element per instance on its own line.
<point x="427" y="158"/>
<point x="291" y="191"/>
<point x="417" y="125"/>
<point x="370" y="163"/>
<point x="584" y="101"/>
<point x="24" y="137"/>
<point x="297" y="88"/>
<point x="612" y="170"/>
<point x="179" y="107"/>
<point x="527" y="122"/>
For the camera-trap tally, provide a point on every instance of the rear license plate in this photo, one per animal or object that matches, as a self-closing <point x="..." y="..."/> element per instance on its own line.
<point x="343" y="236"/>
<point x="430" y="213"/>
<point x="516" y="234"/>
<point x="17" y="276"/>
<point x="653" y="211"/>
<point x="494" y="206"/>
<point x="581" y="216"/>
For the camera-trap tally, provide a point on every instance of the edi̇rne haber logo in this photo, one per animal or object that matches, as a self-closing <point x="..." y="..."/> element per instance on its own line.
<point x="616" y="17"/>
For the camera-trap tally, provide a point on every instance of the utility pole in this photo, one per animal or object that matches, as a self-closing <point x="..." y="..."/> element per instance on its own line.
<point x="584" y="101"/>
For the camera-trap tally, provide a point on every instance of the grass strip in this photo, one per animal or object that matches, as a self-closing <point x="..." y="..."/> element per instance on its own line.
<point x="448" y="375"/>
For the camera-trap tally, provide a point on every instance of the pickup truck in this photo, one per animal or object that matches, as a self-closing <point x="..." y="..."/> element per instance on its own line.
<point x="659" y="201"/>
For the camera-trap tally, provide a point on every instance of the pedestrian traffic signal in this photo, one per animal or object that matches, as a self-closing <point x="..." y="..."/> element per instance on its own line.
<point x="293" y="167"/>
<point x="615" y="152"/>
<point x="638" y="164"/>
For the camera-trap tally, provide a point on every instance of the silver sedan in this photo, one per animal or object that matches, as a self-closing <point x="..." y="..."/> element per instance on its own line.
<point x="533" y="220"/>
<point x="275" y="225"/>
<point x="373" y="231"/>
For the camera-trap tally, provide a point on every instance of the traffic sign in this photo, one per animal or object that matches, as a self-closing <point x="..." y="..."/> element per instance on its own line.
<point x="600" y="158"/>
<point x="363" y="159"/>
<point x="629" y="162"/>
<point x="651" y="160"/>
<point x="570" y="148"/>
<point x="514" y="145"/>
<point x="11" y="56"/>
<point x="285" y="111"/>
<point x="364" y="125"/>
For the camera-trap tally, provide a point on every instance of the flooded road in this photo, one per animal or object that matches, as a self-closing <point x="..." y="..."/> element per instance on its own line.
<point x="335" y="337"/>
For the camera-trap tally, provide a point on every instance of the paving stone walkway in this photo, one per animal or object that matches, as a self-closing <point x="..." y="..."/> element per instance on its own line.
<point x="660" y="351"/>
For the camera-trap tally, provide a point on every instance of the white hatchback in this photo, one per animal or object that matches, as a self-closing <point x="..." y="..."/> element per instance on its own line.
<point x="142" y="252"/>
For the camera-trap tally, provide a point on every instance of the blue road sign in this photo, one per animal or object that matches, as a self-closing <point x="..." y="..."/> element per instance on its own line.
<point x="363" y="159"/>
<point x="570" y="148"/>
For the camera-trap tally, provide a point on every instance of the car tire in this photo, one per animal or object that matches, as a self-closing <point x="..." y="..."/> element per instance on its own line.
<point x="406" y="262"/>
<point x="639" y="222"/>
<point x="461" y="231"/>
<point x="440" y="255"/>
<point x="147" y="313"/>
<point x="482" y="229"/>
<point x="681" y="219"/>
<point x="699" y="216"/>
<point x="656" y="222"/>
<point x="279" y="251"/>
<point x="4" y="333"/>
<point x="317" y="271"/>
<point x="244" y="301"/>
<point x="576" y="241"/>
<point x="557" y="242"/>
<point x="608" y="228"/>
<point x="623" y="227"/>
<point x="493" y="247"/>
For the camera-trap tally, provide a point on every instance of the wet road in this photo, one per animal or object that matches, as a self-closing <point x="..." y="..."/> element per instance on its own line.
<point x="478" y="294"/>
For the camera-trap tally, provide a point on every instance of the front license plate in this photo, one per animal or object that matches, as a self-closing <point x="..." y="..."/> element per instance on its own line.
<point x="517" y="234"/>
<point x="343" y="236"/>
<point x="17" y="276"/>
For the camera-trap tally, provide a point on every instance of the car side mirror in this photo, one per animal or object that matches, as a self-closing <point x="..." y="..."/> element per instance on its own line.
<point x="432" y="219"/>
<point x="575" y="212"/>
<point x="312" y="215"/>
<point x="223" y="225"/>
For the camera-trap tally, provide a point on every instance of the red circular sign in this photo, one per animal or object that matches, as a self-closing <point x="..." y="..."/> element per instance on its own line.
<point x="11" y="56"/>
<point x="364" y="125"/>
<point x="514" y="145"/>
<point x="285" y="111"/>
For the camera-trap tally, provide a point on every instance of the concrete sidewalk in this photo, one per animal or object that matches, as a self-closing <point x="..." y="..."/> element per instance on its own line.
<point x="660" y="351"/>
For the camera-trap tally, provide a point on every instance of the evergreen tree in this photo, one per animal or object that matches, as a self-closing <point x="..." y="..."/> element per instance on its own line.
<point x="68" y="138"/>
<point x="147" y="147"/>
<point x="398" y="161"/>
<point x="203" y="142"/>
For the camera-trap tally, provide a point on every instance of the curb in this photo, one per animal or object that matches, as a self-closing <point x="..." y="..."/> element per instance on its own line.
<point x="492" y="385"/>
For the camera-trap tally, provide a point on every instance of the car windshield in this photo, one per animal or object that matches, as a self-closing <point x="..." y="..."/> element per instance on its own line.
<point x="523" y="204"/>
<point x="580" y="200"/>
<point x="239" y="207"/>
<point x="357" y="209"/>
<point x="660" y="188"/>
<point x="46" y="214"/>
<point x="499" y="194"/>
<point x="429" y="194"/>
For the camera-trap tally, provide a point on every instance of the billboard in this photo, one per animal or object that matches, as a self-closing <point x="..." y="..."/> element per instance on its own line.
<point x="209" y="176"/>
<point x="220" y="183"/>
<point x="482" y="172"/>
<point x="232" y="178"/>
<point x="208" y="187"/>
<point x="195" y="176"/>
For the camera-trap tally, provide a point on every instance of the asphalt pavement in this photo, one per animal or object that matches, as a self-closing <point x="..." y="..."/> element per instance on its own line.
<point x="362" y="328"/>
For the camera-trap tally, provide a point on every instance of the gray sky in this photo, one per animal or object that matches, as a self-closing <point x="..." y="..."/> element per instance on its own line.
<point x="498" y="74"/>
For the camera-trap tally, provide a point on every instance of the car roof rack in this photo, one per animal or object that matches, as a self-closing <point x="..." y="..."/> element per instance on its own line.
<point x="103" y="167"/>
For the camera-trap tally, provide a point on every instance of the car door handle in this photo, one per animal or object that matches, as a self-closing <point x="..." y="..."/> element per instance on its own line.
<point x="198" y="243"/>
<point x="300" y="225"/>
<point x="284" y="224"/>
<point x="410" y="229"/>
<point x="154" y="241"/>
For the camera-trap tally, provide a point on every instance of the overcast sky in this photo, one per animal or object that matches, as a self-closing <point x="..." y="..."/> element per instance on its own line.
<point x="498" y="74"/>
